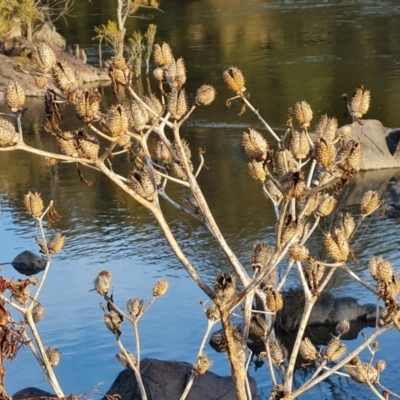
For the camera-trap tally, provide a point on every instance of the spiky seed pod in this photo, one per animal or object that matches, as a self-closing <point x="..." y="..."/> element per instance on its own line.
<point x="138" y="115"/>
<point x="65" y="78"/>
<point x="117" y="62"/>
<point x="119" y="71"/>
<point x="113" y="322"/>
<point x="370" y="202"/>
<point x="360" y="102"/>
<point x="290" y="229"/>
<point x="22" y="295"/>
<point x="258" y="326"/>
<point x="260" y="255"/>
<point x="175" y="74"/>
<point x="15" y="96"/>
<point x="234" y="79"/>
<point x="202" y="365"/>
<point x="303" y="113"/>
<point x="393" y="287"/>
<point x="345" y="131"/>
<point x="117" y="120"/>
<point x="349" y="157"/>
<point x="43" y="56"/>
<point x="299" y="145"/>
<point x="380" y="365"/>
<point x="159" y="74"/>
<point x="163" y="55"/>
<point x="177" y="104"/>
<point x="362" y="373"/>
<point x="286" y="162"/>
<point x="142" y="182"/>
<point x="313" y="203"/>
<point x="380" y="269"/>
<point x="324" y="153"/>
<point x="335" y="350"/>
<point x="308" y="350"/>
<point x="53" y="355"/>
<point x="224" y="287"/>
<point x="162" y="154"/>
<point x="342" y="327"/>
<point x="338" y="251"/>
<point x="56" y="243"/>
<point x="212" y="313"/>
<point x="255" y="145"/>
<point x="34" y="204"/>
<point x="275" y="193"/>
<point x="298" y="252"/>
<point x="274" y="300"/>
<point x="205" y="95"/>
<point x="37" y="312"/>
<point x="8" y="134"/>
<point x="314" y="273"/>
<point x="87" y="145"/>
<point x="155" y="104"/>
<point x="66" y="141"/>
<point x="279" y="393"/>
<point x="160" y="288"/>
<point x="135" y="307"/>
<point x="126" y="359"/>
<point x="327" y="204"/>
<point x="219" y="342"/>
<point x="257" y="170"/>
<point x="346" y="224"/>
<point x="278" y="353"/>
<point x="293" y="183"/>
<point x="41" y="81"/>
<point x="177" y="158"/>
<point x="123" y="141"/>
<point x="326" y="128"/>
<point x="102" y="283"/>
<point x="87" y="104"/>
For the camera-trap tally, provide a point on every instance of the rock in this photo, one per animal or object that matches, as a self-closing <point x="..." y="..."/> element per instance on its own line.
<point x="31" y="392"/>
<point x="379" y="145"/>
<point x="327" y="310"/>
<point x="47" y="33"/>
<point x="166" y="380"/>
<point x="77" y="52"/>
<point x="20" y="47"/>
<point x="28" y="263"/>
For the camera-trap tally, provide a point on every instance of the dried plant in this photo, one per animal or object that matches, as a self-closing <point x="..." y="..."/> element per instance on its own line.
<point x="302" y="197"/>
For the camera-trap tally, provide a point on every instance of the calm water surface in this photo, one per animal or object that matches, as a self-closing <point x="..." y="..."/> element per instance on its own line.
<point x="288" y="51"/>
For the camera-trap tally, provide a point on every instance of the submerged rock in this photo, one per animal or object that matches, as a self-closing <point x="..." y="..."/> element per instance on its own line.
<point x="166" y="380"/>
<point x="163" y="380"/>
<point x="28" y="263"/>
<point x="32" y="392"/>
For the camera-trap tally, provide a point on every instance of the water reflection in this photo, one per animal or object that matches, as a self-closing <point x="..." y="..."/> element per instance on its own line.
<point x="288" y="51"/>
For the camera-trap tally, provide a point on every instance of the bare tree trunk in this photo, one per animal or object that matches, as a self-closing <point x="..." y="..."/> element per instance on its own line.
<point x="120" y="48"/>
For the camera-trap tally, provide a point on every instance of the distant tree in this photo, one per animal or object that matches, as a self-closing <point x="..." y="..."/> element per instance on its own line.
<point x="31" y="14"/>
<point x="114" y="33"/>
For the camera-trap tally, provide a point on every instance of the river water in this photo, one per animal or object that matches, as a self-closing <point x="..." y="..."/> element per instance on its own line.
<point x="288" y="51"/>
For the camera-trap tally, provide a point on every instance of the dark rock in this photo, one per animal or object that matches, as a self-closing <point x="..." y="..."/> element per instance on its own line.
<point x="31" y="392"/>
<point x="28" y="263"/>
<point x="166" y="380"/>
